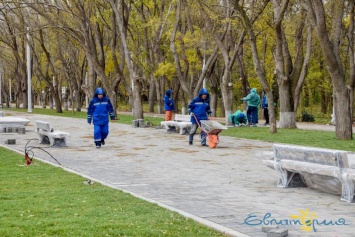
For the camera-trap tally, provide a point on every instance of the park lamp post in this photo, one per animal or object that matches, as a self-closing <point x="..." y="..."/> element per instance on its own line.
<point x="28" y="57"/>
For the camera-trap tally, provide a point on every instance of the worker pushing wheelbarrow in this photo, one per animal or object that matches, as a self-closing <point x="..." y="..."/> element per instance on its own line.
<point x="199" y="109"/>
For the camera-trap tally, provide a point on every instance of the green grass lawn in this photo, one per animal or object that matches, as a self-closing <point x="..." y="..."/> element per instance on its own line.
<point x="42" y="200"/>
<point x="314" y="138"/>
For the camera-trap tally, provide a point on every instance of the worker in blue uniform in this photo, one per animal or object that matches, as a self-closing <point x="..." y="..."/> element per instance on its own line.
<point x="99" y="111"/>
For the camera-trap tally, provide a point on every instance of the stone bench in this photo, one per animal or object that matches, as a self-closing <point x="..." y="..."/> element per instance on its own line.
<point x="47" y="134"/>
<point x="327" y="170"/>
<point x="14" y="120"/>
<point x="181" y="122"/>
<point x="12" y="128"/>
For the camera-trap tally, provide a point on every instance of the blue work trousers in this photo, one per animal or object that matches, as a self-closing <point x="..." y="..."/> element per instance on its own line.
<point x="252" y="114"/>
<point x="100" y="132"/>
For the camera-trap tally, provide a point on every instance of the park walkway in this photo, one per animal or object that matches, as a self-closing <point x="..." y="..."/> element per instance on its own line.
<point x="227" y="188"/>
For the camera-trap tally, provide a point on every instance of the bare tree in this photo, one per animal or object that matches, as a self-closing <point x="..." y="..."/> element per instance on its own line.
<point x="80" y="21"/>
<point x="13" y="32"/>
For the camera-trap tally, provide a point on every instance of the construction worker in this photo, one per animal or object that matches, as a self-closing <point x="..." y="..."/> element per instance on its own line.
<point x="199" y="109"/>
<point x="100" y="108"/>
<point x="253" y="99"/>
<point x="168" y="105"/>
<point x="238" y="118"/>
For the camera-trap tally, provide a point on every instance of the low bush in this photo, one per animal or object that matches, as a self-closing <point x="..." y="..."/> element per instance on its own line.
<point x="307" y="117"/>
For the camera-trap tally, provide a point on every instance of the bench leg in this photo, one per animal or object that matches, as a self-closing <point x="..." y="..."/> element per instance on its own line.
<point x="282" y="173"/>
<point x="51" y="141"/>
<point x="347" y="188"/>
<point x="40" y="138"/>
<point x="184" y="131"/>
<point x="60" y="142"/>
<point x="288" y="179"/>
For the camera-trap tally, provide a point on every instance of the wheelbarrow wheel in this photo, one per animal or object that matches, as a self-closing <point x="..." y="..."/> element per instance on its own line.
<point x="212" y="140"/>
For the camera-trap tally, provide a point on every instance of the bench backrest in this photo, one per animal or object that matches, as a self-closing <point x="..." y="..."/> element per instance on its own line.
<point x="45" y="126"/>
<point x="311" y="155"/>
<point x="182" y="118"/>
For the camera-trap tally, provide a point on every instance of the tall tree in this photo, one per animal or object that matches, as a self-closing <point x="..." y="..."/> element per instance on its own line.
<point x="13" y="33"/>
<point x="329" y="40"/>
<point x="225" y="47"/>
<point x="45" y="68"/>
<point x="84" y="22"/>
<point x="248" y="25"/>
<point x="122" y="17"/>
<point x="154" y="19"/>
<point x="351" y="54"/>
<point x="290" y="76"/>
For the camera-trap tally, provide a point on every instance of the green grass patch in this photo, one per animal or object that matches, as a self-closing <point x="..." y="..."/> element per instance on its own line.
<point x="42" y="200"/>
<point x="314" y="138"/>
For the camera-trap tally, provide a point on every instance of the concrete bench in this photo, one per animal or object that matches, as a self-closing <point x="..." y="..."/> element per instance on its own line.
<point x="14" y="120"/>
<point x="181" y="122"/>
<point x="47" y="134"/>
<point x="327" y="170"/>
<point x="12" y="128"/>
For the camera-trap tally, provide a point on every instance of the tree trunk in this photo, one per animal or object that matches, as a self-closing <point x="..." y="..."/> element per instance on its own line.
<point x="351" y="57"/>
<point x="135" y="89"/>
<point x="179" y="71"/>
<point x="343" y="125"/>
<point x="151" y="96"/>
<point x="287" y="111"/>
<point x="300" y="83"/>
<point x="137" y="100"/>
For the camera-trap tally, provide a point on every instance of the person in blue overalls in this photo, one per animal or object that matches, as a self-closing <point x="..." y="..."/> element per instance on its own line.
<point x="199" y="109"/>
<point x="168" y="105"/>
<point x="100" y="108"/>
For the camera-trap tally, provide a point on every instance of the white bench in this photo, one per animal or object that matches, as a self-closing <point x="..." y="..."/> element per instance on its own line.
<point x="182" y="122"/>
<point x="45" y="131"/>
<point x="327" y="170"/>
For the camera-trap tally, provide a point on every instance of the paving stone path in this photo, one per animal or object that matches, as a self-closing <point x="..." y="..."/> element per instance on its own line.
<point x="227" y="188"/>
